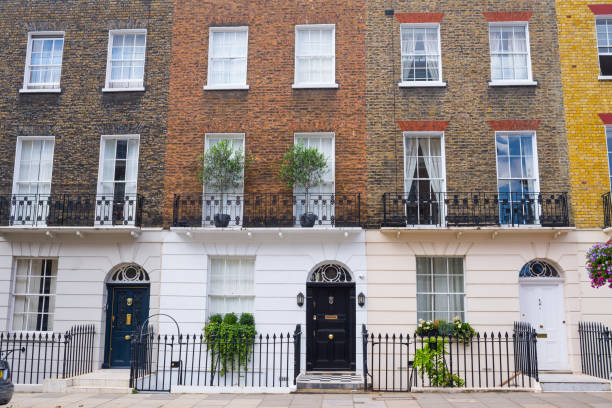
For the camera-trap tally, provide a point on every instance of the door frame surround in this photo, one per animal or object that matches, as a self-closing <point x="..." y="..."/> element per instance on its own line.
<point x="558" y="281"/>
<point x="351" y="314"/>
<point x="117" y="279"/>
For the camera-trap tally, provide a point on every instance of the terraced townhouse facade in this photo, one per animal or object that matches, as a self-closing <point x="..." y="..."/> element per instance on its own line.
<point x="451" y="190"/>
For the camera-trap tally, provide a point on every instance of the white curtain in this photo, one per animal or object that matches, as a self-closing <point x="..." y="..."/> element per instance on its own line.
<point x="433" y="163"/>
<point x="314" y="56"/>
<point x="408" y="52"/>
<point x="131" y="176"/>
<point x="232" y="286"/>
<point x="228" y="57"/>
<point x="412" y="152"/>
<point x="431" y="49"/>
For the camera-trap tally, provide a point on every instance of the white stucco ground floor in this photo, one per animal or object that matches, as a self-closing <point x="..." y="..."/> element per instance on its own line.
<point x="384" y="279"/>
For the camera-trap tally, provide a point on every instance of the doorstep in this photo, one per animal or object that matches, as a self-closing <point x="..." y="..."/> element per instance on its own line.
<point x="347" y="381"/>
<point x="564" y="382"/>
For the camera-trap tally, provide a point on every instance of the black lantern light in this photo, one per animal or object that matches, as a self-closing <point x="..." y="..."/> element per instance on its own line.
<point x="361" y="299"/>
<point x="300" y="299"/>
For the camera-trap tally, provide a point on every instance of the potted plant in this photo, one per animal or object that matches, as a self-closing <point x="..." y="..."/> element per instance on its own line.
<point x="222" y="170"/>
<point x="304" y="167"/>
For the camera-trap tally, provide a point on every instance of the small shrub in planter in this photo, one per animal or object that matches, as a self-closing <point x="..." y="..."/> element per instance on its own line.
<point x="222" y="169"/>
<point x="441" y="328"/>
<point x="304" y="167"/>
<point x="599" y="264"/>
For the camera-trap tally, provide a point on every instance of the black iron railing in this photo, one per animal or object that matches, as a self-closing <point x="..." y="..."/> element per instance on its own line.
<point x="39" y="356"/>
<point x="266" y="209"/>
<point x="474" y="209"/>
<point x="490" y="360"/>
<point x="607" y="210"/>
<point x="70" y="210"/>
<point x="595" y="349"/>
<point x="163" y="362"/>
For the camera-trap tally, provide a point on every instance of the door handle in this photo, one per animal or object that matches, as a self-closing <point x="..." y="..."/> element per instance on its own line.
<point x="127" y="337"/>
<point x="331" y="336"/>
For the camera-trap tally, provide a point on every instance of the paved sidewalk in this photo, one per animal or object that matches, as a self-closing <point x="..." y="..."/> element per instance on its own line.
<point x="373" y="400"/>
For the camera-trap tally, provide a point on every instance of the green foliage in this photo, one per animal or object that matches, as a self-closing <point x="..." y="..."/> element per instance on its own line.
<point x="430" y="361"/>
<point x="303" y="167"/>
<point x="230" y="340"/>
<point x="222" y="167"/>
<point x="462" y="330"/>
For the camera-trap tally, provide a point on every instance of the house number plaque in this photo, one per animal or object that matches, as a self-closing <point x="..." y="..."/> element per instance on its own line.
<point x="128" y="319"/>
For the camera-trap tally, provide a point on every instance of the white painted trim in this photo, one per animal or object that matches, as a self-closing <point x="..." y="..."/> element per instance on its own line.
<point x="107" y="87"/>
<point x="237" y="86"/>
<point x="26" y="73"/>
<point x="439" y="82"/>
<point x="103" y="140"/>
<point x="529" y="81"/>
<point x="332" y="84"/>
<point x="605" y="77"/>
<point x="16" y="163"/>
<point x="422" y="84"/>
<point x="123" y="89"/>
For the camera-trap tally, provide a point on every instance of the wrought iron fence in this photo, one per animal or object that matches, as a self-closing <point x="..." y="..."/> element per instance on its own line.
<point x="39" y="356"/>
<point x="607" y="210"/>
<point x="398" y="363"/>
<point x="70" y="210"/>
<point x="162" y="362"/>
<point x="455" y="209"/>
<point x="266" y="209"/>
<point x="595" y="349"/>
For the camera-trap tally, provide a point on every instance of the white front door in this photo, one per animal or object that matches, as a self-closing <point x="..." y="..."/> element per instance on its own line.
<point x="542" y="307"/>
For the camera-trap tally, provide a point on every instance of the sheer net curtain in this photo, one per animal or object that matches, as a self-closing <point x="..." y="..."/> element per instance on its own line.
<point x="45" y="63"/>
<point x="34" y="295"/>
<point x="420" y="54"/>
<point x="127" y="60"/>
<point x="315" y="56"/>
<point x="440" y="288"/>
<point x="232" y="286"/>
<point x="509" y="52"/>
<point x="228" y="62"/>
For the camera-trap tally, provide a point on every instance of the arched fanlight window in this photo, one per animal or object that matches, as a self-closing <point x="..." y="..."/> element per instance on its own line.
<point x="332" y="273"/>
<point x="129" y="273"/>
<point x="539" y="269"/>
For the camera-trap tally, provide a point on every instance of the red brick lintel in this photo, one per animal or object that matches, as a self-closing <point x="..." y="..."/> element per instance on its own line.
<point x="423" y="125"/>
<point x="600" y="9"/>
<point x="419" y="17"/>
<point x="606" y="118"/>
<point x="506" y="125"/>
<point x="493" y="16"/>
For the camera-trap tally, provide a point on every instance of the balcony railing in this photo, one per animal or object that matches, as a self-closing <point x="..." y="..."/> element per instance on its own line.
<point x="607" y="208"/>
<point x="475" y="209"/>
<point x="266" y="209"/>
<point x="70" y="210"/>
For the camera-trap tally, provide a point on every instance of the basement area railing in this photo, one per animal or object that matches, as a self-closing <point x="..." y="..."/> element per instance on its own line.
<point x="595" y="349"/>
<point x="475" y="209"/>
<point x="34" y="357"/>
<point x="485" y="361"/>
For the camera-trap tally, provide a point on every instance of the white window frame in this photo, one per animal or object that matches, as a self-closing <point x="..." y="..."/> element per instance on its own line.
<point x="432" y="293"/>
<point x="103" y="140"/>
<point x="209" y="293"/>
<point x="601" y="17"/>
<point x="417" y="84"/>
<point x="26" y="74"/>
<point x="13" y="295"/>
<point x="299" y="85"/>
<point x="109" y="55"/>
<point x="329" y="135"/>
<point x="511" y="82"/>
<point x="226" y="87"/>
<point x="442" y="193"/>
<point x="536" y="171"/>
<point x="18" y="148"/>
<point x="227" y="136"/>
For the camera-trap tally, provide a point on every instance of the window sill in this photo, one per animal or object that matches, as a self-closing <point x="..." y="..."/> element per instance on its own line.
<point x="226" y="87"/>
<point x="513" y="83"/>
<point x="56" y="90"/>
<point x="123" y="89"/>
<point x="422" y="84"/>
<point x="605" y="78"/>
<point x="314" y="86"/>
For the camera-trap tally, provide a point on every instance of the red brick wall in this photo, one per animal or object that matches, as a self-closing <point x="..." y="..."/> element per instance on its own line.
<point x="270" y="112"/>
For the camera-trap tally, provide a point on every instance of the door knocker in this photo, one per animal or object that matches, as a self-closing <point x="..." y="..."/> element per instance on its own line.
<point x="331" y="300"/>
<point x="129" y="301"/>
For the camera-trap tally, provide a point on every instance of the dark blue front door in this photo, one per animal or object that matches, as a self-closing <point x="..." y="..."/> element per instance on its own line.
<point x="127" y="309"/>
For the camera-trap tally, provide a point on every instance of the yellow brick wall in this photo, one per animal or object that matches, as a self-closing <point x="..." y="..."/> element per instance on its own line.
<point x="585" y="97"/>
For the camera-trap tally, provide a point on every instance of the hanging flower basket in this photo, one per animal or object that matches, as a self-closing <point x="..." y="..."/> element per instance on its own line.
<point x="599" y="264"/>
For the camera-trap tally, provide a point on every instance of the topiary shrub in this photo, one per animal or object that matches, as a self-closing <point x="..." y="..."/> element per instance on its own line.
<point x="229" y="340"/>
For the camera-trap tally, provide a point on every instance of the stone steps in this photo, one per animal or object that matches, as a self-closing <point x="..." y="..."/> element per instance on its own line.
<point x="330" y="381"/>
<point x="97" y="382"/>
<point x="563" y="382"/>
<point x="98" y="390"/>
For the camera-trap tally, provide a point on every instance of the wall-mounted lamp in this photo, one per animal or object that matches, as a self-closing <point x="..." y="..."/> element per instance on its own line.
<point x="300" y="299"/>
<point x="361" y="299"/>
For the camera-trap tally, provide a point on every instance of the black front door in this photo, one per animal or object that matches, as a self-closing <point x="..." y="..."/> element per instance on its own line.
<point x="330" y="314"/>
<point x="127" y="309"/>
